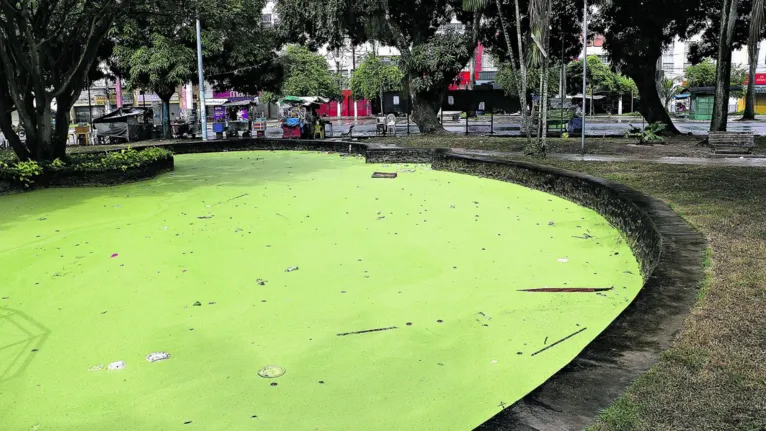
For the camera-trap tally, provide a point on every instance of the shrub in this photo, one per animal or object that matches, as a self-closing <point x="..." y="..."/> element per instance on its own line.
<point x="22" y="172"/>
<point x="25" y="172"/>
<point x="652" y="134"/>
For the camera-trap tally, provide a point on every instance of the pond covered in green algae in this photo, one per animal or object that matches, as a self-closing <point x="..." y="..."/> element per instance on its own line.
<point x="435" y="262"/>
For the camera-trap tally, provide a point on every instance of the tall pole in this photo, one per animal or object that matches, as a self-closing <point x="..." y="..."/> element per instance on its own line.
<point x="584" y="70"/>
<point x="202" y="108"/>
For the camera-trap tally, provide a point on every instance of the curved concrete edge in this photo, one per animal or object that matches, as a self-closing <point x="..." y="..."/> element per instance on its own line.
<point x="86" y="179"/>
<point x="669" y="251"/>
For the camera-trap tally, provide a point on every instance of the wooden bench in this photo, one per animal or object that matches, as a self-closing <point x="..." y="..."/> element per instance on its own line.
<point x="731" y="142"/>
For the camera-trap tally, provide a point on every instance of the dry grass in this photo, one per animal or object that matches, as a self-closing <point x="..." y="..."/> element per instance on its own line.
<point x="679" y="146"/>
<point x="714" y="376"/>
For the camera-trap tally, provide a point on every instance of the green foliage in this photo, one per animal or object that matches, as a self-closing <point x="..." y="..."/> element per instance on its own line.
<point x="306" y="74"/>
<point x="374" y="76"/>
<point x="116" y="160"/>
<point x="601" y="78"/>
<point x="158" y="51"/>
<point x="669" y="88"/>
<point x="434" y="64"/>
<point x="22" y="172"/>
<point x="652" y="134"/>
<point x="703" y="75"/>
<point x="505" y="79"/>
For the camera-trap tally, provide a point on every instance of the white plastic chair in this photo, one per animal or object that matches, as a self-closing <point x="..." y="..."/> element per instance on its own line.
<point x="391" y="124"/>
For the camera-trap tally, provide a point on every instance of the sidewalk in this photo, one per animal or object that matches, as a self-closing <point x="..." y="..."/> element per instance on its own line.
<point x="697" y="161"/>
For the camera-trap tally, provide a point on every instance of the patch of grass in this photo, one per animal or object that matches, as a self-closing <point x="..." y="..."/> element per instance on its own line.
<point x="622" y="415"/>
<point x="714" y="376"/>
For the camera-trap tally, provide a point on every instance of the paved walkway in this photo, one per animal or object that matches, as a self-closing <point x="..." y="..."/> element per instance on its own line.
<point x="700" y="161"/>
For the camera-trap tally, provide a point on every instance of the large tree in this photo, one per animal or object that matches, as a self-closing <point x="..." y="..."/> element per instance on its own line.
<point x="430" y="59"/>
<point x="46" y="49"/>
<point x="158" y="51"/>
<point x="637" y="32"/>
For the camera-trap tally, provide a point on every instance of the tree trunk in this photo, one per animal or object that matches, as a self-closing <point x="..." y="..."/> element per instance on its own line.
<point x="651" y="105"/>
<point x="752" y="55"/>
<point x="61" y="134"/>
<point x="6" y="127"/>
<point x="520" y="88"/>
<point x="425" y="110"/>
<point x="754" y="39"/>
<point x="44" y="133"/>
<point x="723" y="67"/>
<point x="165" y="116"/>
<point x="523" y="69"/>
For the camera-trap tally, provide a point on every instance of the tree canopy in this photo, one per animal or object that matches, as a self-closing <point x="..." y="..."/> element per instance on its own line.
<point x="703" y="74"/>
<point x="158" y="51"/>
<point x="306" y="74"/>
<point x="46" y="51"/>
<point x="373" y="77"/>
<point x="429" y="58"/>
<point x="601" y="78"/>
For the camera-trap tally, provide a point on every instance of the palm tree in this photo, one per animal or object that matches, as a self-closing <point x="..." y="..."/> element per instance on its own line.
<point x="519" y="73"/>
<point x="669" y="88"/>
<point x="539" y="13"/>
<point x="756" y="27"/>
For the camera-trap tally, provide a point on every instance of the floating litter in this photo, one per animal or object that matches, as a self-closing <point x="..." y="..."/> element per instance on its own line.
<point x="197" y="304"/>
<point x="261" y="282"/>
<point x="99" y="367"/>
<point x="291" y="269"/>
<point x="114" y="255"/>
<point x="271" y="371"/>
<point x="494" y="361"/>
<point x="157" y="356"/>
<point x="562" y="260"/>
<point x="119" y="365"/>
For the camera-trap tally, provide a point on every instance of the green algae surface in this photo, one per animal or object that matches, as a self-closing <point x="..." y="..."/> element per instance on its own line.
<point x="403" y="307"/>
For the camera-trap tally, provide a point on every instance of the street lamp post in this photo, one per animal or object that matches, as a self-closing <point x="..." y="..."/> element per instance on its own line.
<point x="202" y="108"/>
<point x="584" y="70"/>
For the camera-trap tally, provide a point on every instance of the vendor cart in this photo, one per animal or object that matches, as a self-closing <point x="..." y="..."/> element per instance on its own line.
<point x="239" y="113"/>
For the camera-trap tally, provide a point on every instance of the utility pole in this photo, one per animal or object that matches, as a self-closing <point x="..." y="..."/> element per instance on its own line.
<point x="584" y="70"/>
<point x="202" y="108"/>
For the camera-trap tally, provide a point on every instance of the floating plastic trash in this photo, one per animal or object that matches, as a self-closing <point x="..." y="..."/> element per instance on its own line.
<point x="563" y="260"/>
<point x="114" y="255"/>
<point x="99" y="367"/>
<point x="271" y="371"/>
<point x="157" y="356"/>
<point x="291" y="269"/>
<point x="261" y="282"/>
<point x="119" y="365"/>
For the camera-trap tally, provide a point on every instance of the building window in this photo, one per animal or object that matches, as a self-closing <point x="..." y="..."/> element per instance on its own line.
<point x="266" y="20"/>
<point x="604" y="58"/>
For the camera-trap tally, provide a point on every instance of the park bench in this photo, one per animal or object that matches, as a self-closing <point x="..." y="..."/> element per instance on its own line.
<point x="556" y="122"/>
<point x="731" y="142"/>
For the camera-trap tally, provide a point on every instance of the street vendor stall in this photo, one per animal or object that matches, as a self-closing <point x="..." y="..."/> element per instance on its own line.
<point x="300" y="118"/>
<point x="124" y="125"/>
<point x="239" y="113"/>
